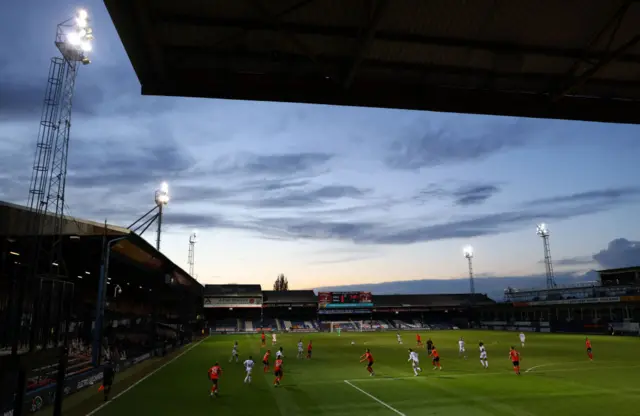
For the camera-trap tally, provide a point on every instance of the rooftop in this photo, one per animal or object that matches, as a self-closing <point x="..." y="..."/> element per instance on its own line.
<point x="571" y="59"/>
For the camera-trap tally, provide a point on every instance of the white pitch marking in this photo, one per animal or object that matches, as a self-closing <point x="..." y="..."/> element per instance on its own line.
<point x="537" y="366"/>
<point x="102" y="406"/>
<point x="376" y="399"/>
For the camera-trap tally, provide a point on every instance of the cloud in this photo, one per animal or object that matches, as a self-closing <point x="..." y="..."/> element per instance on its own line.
<point x="309" y="198"/>
<point x="462" y="195"/>
<point x="610" y="195"/>
<point x="572" y="261"/>
<point x="386" y="232"/>
<point x="20" y="100"/>
<point x="448" y="144"/>
<point x="276" y="165"/>
<point x="619" y="253"/>
<point x="347" y="259"/>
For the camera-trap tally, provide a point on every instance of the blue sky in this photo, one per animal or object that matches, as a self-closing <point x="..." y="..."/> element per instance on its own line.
<point x="326" y="195"/>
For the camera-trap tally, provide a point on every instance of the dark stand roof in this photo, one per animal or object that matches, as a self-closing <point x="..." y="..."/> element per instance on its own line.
<point x="289" y="296"/>
<point x="570" y="59"/>
<point x="452" y="300"/>
<point x="232" y="290"/>
<point x="83" y="246"/>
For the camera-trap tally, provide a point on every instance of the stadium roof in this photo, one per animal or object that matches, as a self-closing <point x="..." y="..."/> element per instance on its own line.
<point x="620" y="270"/>
<point x="14" y="220"/>
<point x="453" y="300"/>
<point x="233" y="290"/>
<point x="571" y="59"/>
<point x="289" y="296"/>
<point x="82" y="246"/>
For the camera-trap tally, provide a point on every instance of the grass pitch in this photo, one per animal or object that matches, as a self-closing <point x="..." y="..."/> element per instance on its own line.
<point x="557" y="378"/>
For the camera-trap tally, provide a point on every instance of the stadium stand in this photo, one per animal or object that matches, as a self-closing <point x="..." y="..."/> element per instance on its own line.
<point x="608" y="305"/>
<point x="151" y="305"/>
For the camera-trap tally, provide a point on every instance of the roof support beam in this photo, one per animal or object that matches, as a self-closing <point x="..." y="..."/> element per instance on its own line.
<point x="141" y="8"/>
<point x="287" y="35"/>
<point x="242" y="32"/>
<point x="582" y="79"/>
<point x="365" y="41"/>
<point x="612" y="26"/>
<point x="347" y="32"/>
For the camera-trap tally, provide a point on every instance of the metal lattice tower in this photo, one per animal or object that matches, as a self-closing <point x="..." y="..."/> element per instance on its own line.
<point x="543" y="232"/>
<point x="49" y="171"/>
<point x="468" y="253"/>
<point x="192" y="253"/>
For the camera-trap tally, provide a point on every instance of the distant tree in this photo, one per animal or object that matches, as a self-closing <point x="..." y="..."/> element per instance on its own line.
<point x="281" y="283"/>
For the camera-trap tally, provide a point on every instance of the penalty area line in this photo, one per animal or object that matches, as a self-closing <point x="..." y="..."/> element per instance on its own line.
<point x="105" y="404"/>
<point x="375" y="398"/>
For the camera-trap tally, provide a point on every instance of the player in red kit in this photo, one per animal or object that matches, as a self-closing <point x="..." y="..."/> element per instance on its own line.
<point x="309" y="348"/>
<point x="588" y="345"/>
<point x="214" y="375"/>
<point x="265" y="360"/>
<point x="435" y="358"/>
<point x="515" y="360"/>
<point x="262" y="339"/>
<point x="418" y="340"/>
<point x="277" y="372"/>
<point x="369" y="359"/>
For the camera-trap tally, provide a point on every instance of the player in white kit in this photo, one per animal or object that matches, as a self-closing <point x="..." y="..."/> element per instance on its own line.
<point x="399" y="338"/>
<point x="234" y="352"/>
<point x="483" y="356"/>
<point x="248" y="367"/>
<point x="522" y="338"/>
<point x="279" y="354"/>
<point x="274" y="340"/>
<point x="461" y="350"/>
<point x="300" y="349"/>
<point x="415" y="362"/>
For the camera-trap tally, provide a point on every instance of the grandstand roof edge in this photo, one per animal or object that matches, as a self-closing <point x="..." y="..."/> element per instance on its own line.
<point x="116" y="228"/>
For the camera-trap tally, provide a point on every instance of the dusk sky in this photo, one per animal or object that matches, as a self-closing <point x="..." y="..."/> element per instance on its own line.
<point x="326" y="195"/>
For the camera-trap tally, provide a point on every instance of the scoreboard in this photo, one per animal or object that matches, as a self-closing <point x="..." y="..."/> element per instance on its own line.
<point x="345" y="299"/>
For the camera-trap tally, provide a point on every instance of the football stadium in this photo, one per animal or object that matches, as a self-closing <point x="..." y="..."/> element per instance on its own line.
<point x="96" y="320"/>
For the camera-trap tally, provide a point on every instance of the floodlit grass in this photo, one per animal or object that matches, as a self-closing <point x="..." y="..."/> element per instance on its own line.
<point x="557" y="378"/>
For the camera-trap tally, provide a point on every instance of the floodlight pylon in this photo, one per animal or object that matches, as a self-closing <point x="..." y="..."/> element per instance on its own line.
<point x="543" y="232"/>
<point x="193" y="238"/>
<point x="468" y="253"/>
<point x="47" y="187"/>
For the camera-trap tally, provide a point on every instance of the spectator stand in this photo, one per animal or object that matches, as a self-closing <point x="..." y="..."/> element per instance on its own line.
<point x="234" y="308"/>
<point x="608" y="305"/>
<point x="292" y="310"/>
<point x="145" y="293"/>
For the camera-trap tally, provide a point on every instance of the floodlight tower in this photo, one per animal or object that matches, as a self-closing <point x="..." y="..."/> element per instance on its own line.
<point x="162" y="199"/>
<point x="543" y="232"/>
<point x="49" y="172"/>
<point x="468" y="253"/>
<point x="192" y="253"/>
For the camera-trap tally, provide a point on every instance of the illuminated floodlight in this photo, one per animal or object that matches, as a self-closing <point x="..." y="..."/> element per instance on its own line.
<point x="542" y="230"/>
<point x="162" y="194"/>
<point x="74" y="38"/>
<point x="468" y="252"/>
